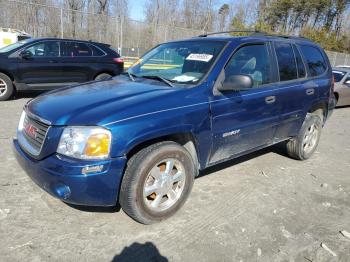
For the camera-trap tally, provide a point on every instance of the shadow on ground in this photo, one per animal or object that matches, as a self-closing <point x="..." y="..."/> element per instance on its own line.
<point x="140" y="252"/>
<point x="29" y="94"/>
<point x="96" y="209"/>
<point x="277" y="149"/>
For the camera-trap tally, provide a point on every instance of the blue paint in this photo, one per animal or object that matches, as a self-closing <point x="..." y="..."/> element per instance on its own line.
<point x="136" y="112"/>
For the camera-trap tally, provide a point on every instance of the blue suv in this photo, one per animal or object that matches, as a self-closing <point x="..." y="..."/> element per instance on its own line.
<point x="140" y="139"/>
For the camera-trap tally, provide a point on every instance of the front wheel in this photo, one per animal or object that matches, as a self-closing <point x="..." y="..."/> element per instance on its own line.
<point x="6" y="87"/>
<point x="304" y="145"/>
<point x="157" y="182"/>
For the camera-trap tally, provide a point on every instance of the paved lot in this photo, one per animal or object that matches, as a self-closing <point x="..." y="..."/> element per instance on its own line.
<point x="262" y="207"/>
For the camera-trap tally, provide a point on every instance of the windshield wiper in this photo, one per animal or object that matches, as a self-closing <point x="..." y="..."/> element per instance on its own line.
<point x="131" y="75"/>
<point x="164" y="80"/>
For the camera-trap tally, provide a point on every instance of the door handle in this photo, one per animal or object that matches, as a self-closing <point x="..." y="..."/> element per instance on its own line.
<point x="310" y="91"/>
<point x="270" y="99"/>
<point x="52" y="61"/>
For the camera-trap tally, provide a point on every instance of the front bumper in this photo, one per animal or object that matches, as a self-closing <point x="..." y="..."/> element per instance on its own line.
<point x="62" y="177"/>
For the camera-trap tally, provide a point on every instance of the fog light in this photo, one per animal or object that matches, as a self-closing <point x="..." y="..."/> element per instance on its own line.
<point x="62" y="191"/>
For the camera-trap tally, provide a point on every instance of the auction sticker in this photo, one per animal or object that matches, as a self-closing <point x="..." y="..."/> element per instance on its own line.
<point x="200" y="57"/>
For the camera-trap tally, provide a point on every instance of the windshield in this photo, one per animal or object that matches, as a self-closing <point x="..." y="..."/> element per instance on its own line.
<point x="184" y="62"/>
<point x="13" y="46"/>
<point x="338" y="75"/>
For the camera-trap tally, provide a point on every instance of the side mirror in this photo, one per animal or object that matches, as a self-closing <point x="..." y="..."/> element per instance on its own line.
<point x="347" y="82"/>
<point x="237" y="83"/>
<point x="25" y="54"/>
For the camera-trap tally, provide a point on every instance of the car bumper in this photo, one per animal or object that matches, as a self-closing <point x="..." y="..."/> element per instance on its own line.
<point x="63" y="178"/>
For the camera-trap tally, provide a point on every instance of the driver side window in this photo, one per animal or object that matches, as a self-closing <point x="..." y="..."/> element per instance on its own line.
<point x="44" y="49"/>
<point x="251" y="60"/>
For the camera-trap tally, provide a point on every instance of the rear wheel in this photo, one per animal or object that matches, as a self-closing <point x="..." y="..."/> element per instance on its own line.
<point x="103" y="76"/>
<point x="157" y="182"/>
<point x="6" y="87"/>
<point x="336" y="95"/>
<point x="304" y="145"/>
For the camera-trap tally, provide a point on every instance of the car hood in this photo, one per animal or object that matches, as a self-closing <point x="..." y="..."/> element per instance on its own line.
<point x="99" y="103"/>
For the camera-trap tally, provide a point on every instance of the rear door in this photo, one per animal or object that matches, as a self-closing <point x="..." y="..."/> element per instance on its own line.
<point x="245" y="120"/>
<point x="293" y="93"/>
<point x="42" y="69"/>
<point x="78" y="61"/>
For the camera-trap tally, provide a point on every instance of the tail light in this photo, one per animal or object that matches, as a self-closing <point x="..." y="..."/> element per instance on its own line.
<point x="118" y="60"/>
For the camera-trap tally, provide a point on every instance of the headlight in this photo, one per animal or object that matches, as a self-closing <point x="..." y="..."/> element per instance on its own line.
<point x="21" y="121"/>
<point x="85" y="142"/>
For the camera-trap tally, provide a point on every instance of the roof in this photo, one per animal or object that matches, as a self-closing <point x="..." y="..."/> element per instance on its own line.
<point x="255" y="38"/>
<point x="66" y="39"/>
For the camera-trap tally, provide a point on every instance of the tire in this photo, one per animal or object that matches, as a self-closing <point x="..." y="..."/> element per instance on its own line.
<point x="143" y="194"/>
<point x="304" y="145"/>
<point x="336" y="95"/>
<point x="6" y="87"/>
<point x="103" y="76"/>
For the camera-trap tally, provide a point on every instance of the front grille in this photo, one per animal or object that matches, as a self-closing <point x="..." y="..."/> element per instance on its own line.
<point x="34" y="132"/>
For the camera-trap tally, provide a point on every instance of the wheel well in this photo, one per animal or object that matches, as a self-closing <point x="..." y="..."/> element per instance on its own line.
<point x="185" y="139"/>
<point x="104" y="72"/>
<point x="336" y="95"/>
<point x="8" y="74"/>
<point x="319" y="110"/>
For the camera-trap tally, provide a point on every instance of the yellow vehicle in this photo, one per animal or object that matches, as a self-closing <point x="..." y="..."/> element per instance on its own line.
<point x="9" y="36"/>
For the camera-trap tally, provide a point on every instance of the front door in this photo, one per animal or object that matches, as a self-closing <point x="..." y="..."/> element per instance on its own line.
<point x="40" y="70"/>
<point x="242" y="121"/>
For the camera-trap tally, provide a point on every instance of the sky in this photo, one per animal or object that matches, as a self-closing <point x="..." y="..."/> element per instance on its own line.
<point x="136" y="8"/>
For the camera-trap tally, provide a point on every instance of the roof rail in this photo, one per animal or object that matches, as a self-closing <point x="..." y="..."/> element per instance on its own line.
<point x="233" y="31"/>
<point x="288" y="36"/>
<point x="256" y="33"/>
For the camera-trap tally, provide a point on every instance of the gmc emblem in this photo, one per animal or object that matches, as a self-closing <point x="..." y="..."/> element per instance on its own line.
<point x="31" y="130"/>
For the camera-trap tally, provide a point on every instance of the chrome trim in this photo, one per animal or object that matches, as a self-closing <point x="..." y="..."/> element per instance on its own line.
<point x="38" y="118"/>
<point x="24" y="143"/>
<point x="26" y="146"/>
<point x="60" y="41"/>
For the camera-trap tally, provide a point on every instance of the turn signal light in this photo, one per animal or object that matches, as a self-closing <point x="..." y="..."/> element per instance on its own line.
<point x="97" y="145"/>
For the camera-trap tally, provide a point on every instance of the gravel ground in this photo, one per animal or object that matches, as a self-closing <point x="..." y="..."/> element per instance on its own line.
<point x="261" y="207"/>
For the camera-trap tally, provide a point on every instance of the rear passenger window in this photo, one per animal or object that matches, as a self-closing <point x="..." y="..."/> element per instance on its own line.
<point x="315" y="61"/>
<point x="286" y="62"/>
<point x="300" y="64"/>
<point x="252" y="60"/>
<point x="96" y="51"/>
<point x="75" y="49"/>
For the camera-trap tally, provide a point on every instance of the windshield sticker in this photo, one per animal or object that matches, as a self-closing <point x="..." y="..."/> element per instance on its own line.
<point x="200" y="57"/>
<point x="185" y="78"/>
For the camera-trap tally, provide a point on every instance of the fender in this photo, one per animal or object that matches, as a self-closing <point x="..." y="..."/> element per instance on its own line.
<point x="158" y="133"/>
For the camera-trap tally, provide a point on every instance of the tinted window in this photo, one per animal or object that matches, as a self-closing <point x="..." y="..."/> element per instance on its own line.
<point x="338" y="75"/>
<point x="96" y="51"/>
<point x="300" y="64"/>
<point x="76" y="49"/>
<point x="44" y="49"/>
<point x="286" y="62"/>
<point x="252" y="60"/>
<point x="315" y="61"/>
